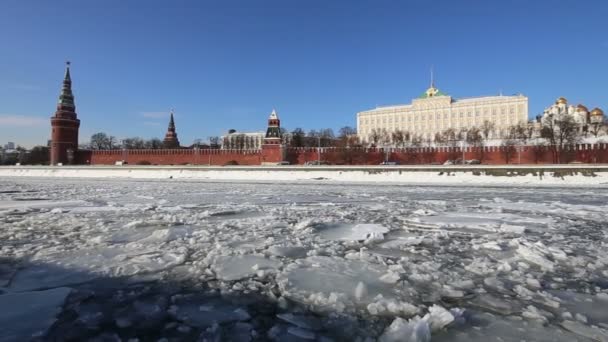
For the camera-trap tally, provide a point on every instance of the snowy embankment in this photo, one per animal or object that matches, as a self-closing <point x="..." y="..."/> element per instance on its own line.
<point x="114" y="259"/>
<point x="555" y="175"/>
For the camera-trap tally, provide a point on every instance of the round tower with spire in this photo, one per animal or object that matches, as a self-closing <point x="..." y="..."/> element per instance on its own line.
<point x="64" y="125"/>
<point x="171" y="140"/>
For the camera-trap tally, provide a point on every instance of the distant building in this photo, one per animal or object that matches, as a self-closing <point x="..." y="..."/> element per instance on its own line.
<point x="255" y="140"/>
<point x="9" y="146"/>
<point x="242" y="140"/>
<point x="579" y="113"/>
<point x="434" y="112"/>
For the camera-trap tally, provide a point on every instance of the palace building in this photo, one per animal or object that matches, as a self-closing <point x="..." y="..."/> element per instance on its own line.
<point x="434" y="112"/>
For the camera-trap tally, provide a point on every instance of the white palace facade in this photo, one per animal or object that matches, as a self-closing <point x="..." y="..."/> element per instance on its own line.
<point x="434" y="112"/>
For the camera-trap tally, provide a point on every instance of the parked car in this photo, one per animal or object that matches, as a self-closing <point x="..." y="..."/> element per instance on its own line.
<point x="388" y="163"/>
<point x="283" y="163"/>
<point x="316" y="162"/>
<point x="473" y="162"/>
<point x="448" y="162"/>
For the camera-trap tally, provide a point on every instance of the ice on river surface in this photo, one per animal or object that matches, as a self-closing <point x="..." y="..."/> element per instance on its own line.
<point x="190" y="260"/>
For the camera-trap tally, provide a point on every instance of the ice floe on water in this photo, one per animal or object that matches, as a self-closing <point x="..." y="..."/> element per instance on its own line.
<point x="113" y="259"/>
<point x="24" y="315"/>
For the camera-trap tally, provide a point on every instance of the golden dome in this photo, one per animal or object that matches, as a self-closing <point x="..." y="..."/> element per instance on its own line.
<point x="597" y="111"/>
<point x="581" y="108"/>
<point x="561" y="100"/>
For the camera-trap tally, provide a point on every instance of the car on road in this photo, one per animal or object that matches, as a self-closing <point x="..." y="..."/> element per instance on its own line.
<point x="389" y="163"/>
<point x="473" y="162"/>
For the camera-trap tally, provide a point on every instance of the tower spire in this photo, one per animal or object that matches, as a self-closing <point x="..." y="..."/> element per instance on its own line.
<point x="67" y="71"/>
<point x="432" y="78"/>
<point x="66" y="99"/>
<point x="172" y="122"/>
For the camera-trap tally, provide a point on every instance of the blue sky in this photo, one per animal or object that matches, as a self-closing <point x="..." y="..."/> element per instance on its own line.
<point x="226" y="64"/>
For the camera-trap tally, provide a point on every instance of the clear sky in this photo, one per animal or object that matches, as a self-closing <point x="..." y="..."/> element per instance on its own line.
<point x="226" y="64"/>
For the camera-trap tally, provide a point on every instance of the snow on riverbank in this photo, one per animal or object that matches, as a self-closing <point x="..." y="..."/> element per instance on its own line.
<point x="248" y="261"/>
<point x="505" y="176"/>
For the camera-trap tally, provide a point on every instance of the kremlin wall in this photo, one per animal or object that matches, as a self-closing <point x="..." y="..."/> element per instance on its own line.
<point x="64" y="149"/>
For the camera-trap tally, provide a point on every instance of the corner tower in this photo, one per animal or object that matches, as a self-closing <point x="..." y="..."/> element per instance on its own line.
<point x="64" y="125"/>
<point x="171" y="140"/>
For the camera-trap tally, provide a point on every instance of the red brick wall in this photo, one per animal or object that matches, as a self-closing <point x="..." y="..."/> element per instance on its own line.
<point x="170" y="157"/>
<point x="357" y="156"/>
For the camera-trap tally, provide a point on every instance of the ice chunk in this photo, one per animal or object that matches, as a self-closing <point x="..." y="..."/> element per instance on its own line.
<point x="302" y="321"/>
<point x="535" y="256"/>
<point x="594" y="333"/>
<point x="360" y="291"/>
<point x="438" y="317"/>
<point x="25" y="314"/>
<point x="229" y="268"/>
<point x="301" y="333"/>
<point x="288" y="251"/>
<point x="414" y="330"/>
<point x="217" y="311"/>
<point x="332" y="282"/>
<point x="352" y="232"/>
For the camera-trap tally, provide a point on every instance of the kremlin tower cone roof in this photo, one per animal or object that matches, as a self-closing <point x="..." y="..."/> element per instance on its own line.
<point x="66" y="98"/>
<point x="273" y="115"/>
<point x="171" y="140"/>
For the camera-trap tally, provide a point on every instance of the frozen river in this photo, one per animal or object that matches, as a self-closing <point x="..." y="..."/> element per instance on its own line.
<point x="185" y="260"/>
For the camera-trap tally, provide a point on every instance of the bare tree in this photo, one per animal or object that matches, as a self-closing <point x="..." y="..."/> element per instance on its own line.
<point x="327" y="137"/>
<point x="297" y="138"/>
<point x="508" y="149"/>
<point x="375" y="136"/>
<point x="346" y="131"/>
<point x="398" y="138"/>
<point x="416" y="140"/>
<point x="133" y="143"/>
<point x="486" y="128"/>
<point x="385" y="137"/>
<point x="560" y="132"/>
<point x="102" y="141"/>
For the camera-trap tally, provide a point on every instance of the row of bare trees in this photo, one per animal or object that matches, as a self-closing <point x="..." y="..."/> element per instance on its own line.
<point x="103" y="141"/>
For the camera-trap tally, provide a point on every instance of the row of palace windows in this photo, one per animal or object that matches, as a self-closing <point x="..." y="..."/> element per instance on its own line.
<point x="437" y="116"/>
<point x="422" y="117"/>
